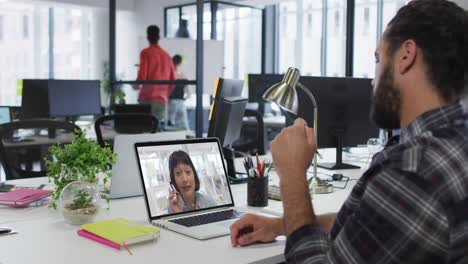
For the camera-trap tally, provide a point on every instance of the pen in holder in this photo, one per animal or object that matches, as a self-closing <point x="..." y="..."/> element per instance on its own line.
<point x="257" y="191"/>
<point x="257" y="181"/>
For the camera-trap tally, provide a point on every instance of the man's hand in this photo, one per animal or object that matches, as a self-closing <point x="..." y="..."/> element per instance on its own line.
<point x="293" y="149"/>
<point x="254" y="228"/>
<point x="292" y="152"/>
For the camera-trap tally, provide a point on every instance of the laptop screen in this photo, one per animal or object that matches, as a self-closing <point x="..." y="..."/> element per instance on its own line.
<point x="5" y="116"/>
<point x="183" y="176"/>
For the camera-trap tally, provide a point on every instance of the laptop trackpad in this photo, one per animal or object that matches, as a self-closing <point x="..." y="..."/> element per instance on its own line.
<point x="227" y="223"/>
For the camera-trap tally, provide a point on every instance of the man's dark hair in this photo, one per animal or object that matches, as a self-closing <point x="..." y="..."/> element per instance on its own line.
<point x="152" y="33"/>
<point x="177" y="60"/>
<point x="440" y="30"/>
<point x="176" y="158"/>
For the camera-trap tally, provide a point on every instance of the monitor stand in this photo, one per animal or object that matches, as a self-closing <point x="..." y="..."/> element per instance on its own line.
<point x="231" y="169"/>
<point x="338" y="165"/>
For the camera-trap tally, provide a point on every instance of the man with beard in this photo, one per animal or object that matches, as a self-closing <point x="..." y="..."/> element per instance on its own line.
<point x="411" y="205"/>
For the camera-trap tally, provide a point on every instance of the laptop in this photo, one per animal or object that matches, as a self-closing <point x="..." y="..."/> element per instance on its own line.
<point x="125" y="181"/>
<point x="196" y="200"/>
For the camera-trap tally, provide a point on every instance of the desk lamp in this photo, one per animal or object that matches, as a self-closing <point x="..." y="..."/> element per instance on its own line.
<point x="284" y="95"/>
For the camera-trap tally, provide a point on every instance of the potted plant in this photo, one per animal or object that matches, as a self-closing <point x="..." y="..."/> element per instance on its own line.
<point x="79" y="202"/>
<point x="82" y="160"/>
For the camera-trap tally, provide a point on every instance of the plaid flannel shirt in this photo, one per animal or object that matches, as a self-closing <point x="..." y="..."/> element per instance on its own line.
<point x="410" y="206"/>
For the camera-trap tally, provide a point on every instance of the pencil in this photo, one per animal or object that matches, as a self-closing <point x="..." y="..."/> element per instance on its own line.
<point x="258" y="165"/>
<point x="126" y="247"/>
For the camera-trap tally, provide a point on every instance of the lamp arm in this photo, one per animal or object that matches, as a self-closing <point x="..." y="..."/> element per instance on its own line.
<point x="309" y="94"/>
<point x="314" y="103"/>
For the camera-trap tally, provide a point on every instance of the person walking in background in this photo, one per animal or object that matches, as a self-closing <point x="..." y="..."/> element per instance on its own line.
<point x="177" y="110"/>
<point x="155" y="64"/>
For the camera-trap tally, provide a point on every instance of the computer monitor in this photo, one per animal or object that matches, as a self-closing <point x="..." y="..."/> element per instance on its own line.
<point x="227" y="111"/>
<point x="228" y="123"/>
<point x="35" y="99"/>
<point x="259" y="83"/>
<point x="71" y="98"/>
<point x="227" y="128"/>
<point x="5" y="115"/>
<point x="223" y="88"/>
<point x="343" y="114"/>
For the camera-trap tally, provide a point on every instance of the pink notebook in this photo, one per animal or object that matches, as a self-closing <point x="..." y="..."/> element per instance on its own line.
<point x="99" y="239"/>
<point x="23" y="197"/>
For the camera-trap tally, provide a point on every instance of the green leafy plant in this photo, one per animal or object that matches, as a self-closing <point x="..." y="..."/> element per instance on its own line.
<point x="79" y="161"/>
<point x="120" y="96"/>
<point x="82" y="200"/>
<point x="105" y="82"/>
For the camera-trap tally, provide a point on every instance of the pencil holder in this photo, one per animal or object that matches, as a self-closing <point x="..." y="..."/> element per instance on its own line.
<point x="257" y="191"/>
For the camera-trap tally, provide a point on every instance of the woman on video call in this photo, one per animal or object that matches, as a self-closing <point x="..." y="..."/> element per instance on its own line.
<point x="185" y="185"/>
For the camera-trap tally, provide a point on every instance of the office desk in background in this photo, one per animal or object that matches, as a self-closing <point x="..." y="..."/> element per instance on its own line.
<point x="269" y="121"/>
<point x="43" y="237"/>
<point x="272" y="125"/>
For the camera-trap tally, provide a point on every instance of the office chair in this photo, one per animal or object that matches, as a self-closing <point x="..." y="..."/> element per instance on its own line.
<point x="131" y="123"/>
<point x="22" y="145"/>
<point x="257" y="145"/>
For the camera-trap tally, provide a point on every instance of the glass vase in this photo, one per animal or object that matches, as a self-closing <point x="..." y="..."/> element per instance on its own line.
<point x="79" y="202"/>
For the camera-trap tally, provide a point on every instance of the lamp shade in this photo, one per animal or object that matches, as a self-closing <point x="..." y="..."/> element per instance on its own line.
<point x="284" y="93"/>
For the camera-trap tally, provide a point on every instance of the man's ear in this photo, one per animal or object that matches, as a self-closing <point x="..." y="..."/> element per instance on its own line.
<point x="406" y="56"/>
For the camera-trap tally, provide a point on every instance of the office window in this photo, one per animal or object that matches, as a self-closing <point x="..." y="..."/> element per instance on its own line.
<point x="307" y="52"/>
<point x="26" y="53"/>
<point x="2" y="22"/>
<point x="172" y="22"/>
<point x="366" y="33"/>
<point x="365" y="38"/>
<point x="365" y="30"/>
<point x="288" y="43"/>
<point x="229" y="33"/>
<point x="309" y="28"/>
<point x="336" y="39"/>
<point x="312" y="43"/>
<point x="70" y="55"/>
<point x="129" y="43"/>
<point x="390" y="8"/>
<point x="189" y="13"/>
<point x="25" y="26"/>
<point x="22" y="56"/>
<point x="240" y="28"/>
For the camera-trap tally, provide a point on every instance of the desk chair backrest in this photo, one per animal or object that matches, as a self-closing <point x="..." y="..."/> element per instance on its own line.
<point x="131" y="123"/>
<point x="23" y="145"/>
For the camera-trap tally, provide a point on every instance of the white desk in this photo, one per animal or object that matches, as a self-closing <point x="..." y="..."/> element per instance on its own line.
<point x="43" y="237"/>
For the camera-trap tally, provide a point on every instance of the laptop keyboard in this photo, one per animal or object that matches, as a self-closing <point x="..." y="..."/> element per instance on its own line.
<point x="197" y="220"/>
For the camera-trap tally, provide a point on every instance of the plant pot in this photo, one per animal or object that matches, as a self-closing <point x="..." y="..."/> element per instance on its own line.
<point x="79" y="202"/>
